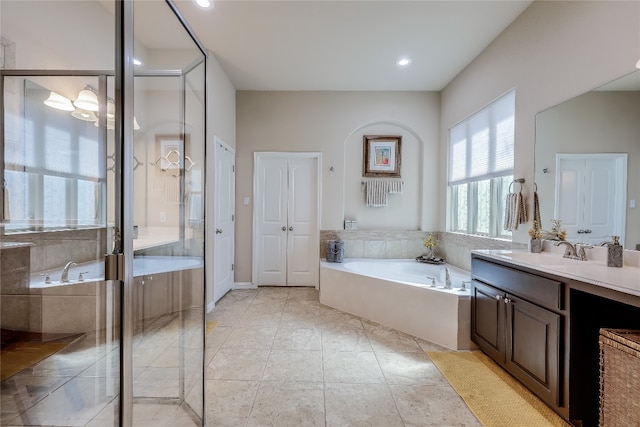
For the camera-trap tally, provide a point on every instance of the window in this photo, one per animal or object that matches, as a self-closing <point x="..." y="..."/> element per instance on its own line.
<point x="52" y="169"/>
<point x="481" y="169"/>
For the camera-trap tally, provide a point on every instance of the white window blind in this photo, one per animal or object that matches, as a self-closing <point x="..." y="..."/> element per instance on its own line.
<point x="481" y="147"/>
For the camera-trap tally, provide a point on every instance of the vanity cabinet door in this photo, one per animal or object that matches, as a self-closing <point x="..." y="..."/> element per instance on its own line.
<point x="488" y="319"/>
<point x="533" y="347"/>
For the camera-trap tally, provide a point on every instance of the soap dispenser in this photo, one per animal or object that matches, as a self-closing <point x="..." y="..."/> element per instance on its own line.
<point x="614" y="253"/>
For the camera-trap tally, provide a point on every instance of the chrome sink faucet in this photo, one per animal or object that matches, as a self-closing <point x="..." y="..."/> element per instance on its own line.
<point x="569" y="251"/>
<point x="582" y="255"/>
<point x="65" y="272"/>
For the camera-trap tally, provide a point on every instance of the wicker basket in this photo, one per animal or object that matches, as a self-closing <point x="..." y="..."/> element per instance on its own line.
<point x="619" y="377"/>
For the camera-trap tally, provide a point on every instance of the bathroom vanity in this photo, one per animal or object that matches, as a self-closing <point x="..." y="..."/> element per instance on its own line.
<point x="539" y="316"/>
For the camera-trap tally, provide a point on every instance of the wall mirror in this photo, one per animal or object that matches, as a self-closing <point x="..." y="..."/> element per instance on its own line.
<point x="587" y="163"/>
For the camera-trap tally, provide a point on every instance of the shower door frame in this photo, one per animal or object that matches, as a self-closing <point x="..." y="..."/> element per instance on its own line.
<point x="122" y="254"/>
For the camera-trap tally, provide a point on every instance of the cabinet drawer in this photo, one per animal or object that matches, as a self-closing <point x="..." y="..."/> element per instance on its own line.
<point x="539" y="290"/>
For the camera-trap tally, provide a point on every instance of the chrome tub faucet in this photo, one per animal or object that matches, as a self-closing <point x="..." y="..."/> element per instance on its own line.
<point x="65" y="272"/>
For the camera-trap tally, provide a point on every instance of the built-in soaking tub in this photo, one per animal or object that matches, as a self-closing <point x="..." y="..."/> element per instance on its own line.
<point x="42" y="303"/>
<point x="400" y="294"/>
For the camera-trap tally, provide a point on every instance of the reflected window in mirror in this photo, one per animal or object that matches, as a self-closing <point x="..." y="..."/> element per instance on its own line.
<point x="54" y="178"/>
<point x="481" y="169"/>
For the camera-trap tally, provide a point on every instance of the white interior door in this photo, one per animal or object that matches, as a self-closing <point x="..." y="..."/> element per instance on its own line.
<point x="271" y="204"/>
<point x="286" y="245"/>
<point x="591" y="196"/>
<point x="224" y="240"/>
<point x="302" y="262"/>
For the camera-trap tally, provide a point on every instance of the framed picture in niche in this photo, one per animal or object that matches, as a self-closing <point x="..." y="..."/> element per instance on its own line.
<point x="381" y="156"/>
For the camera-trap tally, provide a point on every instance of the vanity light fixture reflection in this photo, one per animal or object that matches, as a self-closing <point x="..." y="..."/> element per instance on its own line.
<point x="87" y="116"/>
<point x="59" y="102"/>
<point x="85" y="107"/>
<point x="87" y="100"/>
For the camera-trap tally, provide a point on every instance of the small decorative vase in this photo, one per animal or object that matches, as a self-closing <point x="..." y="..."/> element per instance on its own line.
<point x="428" y="254"/>
<point x="535" y="246"/>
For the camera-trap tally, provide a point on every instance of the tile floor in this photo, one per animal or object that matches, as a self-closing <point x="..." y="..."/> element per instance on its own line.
<point x="278" y="357"/>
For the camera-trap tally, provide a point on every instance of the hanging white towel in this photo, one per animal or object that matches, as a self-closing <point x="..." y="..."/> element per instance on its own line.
<point x="376" y="191"/>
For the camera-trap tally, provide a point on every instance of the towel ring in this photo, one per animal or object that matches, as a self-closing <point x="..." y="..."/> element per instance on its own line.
<point x="519" y="181"/>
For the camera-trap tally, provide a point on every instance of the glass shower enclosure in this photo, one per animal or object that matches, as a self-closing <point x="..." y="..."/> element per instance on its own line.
<point x="102" y="150"/>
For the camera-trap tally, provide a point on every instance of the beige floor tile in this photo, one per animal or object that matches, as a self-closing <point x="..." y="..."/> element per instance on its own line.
<point x="297" y="339"/>
<point x="409" y="368"/>
<point x="294" y="365"/>
<point x="237" y="364"/>
<point x="229" y="402"/>
<point x="423" y="405"/>
<point x="74" y="404"/>
<point x="429" y="346"/>
<point x="389" y="340"/>
<point x="360" y="405"/>
<point x="217" y="337"/>
<point x="345" y="339"/>
<point x="301" y="294"/>
<point x="283" y="404"/>
<point x="352" y="367"/>
<point x="252" y="337"/>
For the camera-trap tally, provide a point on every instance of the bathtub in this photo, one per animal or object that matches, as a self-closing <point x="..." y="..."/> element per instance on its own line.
<point x="400" y="294"/>
<point x="92" y="303"/>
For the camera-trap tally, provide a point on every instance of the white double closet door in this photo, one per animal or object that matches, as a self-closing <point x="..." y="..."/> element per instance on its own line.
<point x="286" y="215"/>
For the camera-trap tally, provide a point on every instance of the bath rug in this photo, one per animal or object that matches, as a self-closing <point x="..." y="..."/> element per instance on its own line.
<point x="210" y="325"/>
<point x="21" y="355"/>
<point x="494" y="396"/>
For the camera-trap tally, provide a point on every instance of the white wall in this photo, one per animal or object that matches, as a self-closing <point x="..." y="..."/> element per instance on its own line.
<point x="333" y="123"/>
<point x="554" y="51"/>
<point x="221" y="122"/>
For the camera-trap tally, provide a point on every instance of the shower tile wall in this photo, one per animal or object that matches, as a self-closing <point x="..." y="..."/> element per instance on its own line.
<point x="55" y="248"/>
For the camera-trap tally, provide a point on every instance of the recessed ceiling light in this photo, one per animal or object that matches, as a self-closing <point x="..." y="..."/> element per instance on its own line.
<point x="137" y="61"/>
<point x="403" y="62"/>
<point x="205" y="4"/>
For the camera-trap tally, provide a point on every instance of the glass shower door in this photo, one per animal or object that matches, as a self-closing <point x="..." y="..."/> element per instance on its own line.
<point x="168" y="196"/>
<point x="60" y="318"/>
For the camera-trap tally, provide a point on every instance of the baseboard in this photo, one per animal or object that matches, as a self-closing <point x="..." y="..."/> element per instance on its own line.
<point x="243" y="285"/>
<point x="210" y="306"/>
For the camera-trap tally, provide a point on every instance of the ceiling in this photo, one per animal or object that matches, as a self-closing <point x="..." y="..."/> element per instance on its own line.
<point x="346" y="45"/>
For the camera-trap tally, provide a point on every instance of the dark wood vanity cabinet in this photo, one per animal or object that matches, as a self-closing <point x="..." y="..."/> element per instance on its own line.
<point x="517" y="319"/>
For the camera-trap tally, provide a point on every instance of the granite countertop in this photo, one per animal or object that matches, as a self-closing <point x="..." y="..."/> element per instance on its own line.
<point x="595" y="272"/>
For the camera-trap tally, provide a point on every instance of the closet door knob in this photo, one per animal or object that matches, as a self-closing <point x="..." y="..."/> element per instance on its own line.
<point x="218" y="231"/>
<point x="290" y="228"/>
<point x="284" y="228"/>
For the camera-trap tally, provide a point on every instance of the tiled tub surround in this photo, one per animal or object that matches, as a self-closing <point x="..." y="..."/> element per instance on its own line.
<point x="390" y="244"/>
<point x="52" y="249"/>
<point x="456" y="248"/>
<point x="407" y="244"/>
<point x="399" y="296"/>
